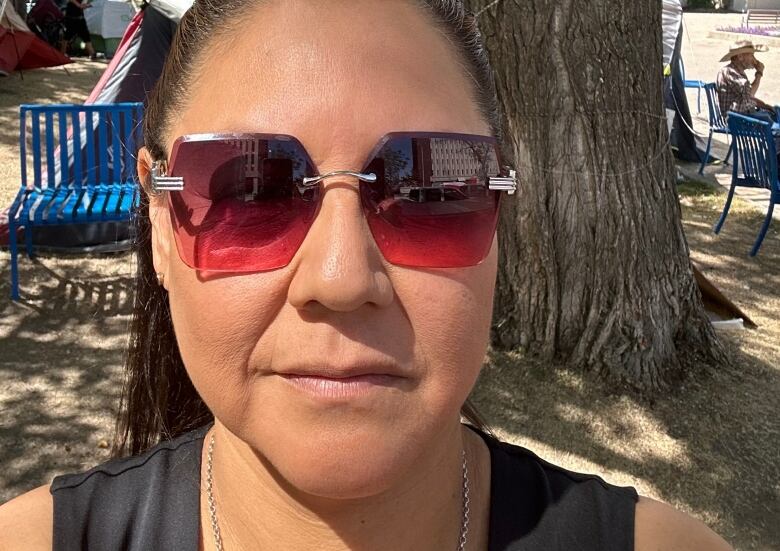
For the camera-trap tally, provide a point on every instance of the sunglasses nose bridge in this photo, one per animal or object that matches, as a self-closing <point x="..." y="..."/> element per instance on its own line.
<point x="339" y="179"/>
<point x="361" y="176"/>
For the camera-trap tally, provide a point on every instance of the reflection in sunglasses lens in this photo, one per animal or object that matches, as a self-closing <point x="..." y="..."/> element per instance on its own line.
<point x="431" y="206"/>
<point x="244" y="207"/>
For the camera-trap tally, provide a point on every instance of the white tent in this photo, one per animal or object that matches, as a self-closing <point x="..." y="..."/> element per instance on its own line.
<point x="109" y="18"/>
<point x="680" y="125"/>
<point x="172" y="9"/>
<point x="672" y="19"/>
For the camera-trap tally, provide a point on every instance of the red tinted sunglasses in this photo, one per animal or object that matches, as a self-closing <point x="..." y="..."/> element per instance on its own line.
<point x="244" y="202"/>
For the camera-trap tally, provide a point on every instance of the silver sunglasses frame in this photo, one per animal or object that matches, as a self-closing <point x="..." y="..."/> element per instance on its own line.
<point x="162" y="182"/>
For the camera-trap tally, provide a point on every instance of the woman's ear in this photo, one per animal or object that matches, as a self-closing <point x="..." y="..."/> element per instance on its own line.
<point x="159" y="216"/>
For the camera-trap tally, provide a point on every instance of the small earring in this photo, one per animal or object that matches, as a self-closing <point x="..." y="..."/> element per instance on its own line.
<point x="160" y="278"/>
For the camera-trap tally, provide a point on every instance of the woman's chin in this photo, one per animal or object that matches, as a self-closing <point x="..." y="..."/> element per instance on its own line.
<point x="336" y="485"/>
<point x="346" y="466"/>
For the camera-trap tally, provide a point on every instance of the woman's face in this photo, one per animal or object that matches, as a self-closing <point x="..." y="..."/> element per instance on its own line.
<point x="338" y="76"/>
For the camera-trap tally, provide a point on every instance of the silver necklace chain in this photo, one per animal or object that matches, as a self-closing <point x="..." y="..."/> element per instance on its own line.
<point x="464" y="525"/>
<point x="210" y="496"/>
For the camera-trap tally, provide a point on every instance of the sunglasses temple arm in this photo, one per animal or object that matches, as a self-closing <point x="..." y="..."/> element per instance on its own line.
<point x="508" y="184"/>
<point x="161" y="182"/>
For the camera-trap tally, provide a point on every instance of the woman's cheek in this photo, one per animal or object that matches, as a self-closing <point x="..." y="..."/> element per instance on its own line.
<point x="452" y="337"/>
<point x="218" y="324"/>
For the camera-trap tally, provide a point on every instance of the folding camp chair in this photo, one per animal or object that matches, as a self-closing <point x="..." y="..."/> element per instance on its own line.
<point x="755" y="165"/>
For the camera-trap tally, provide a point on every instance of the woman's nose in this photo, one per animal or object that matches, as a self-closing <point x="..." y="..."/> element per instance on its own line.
<point x="339" y="266"/>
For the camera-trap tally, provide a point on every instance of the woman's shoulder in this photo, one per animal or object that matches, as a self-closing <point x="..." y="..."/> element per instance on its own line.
<point x="539" y="505"/>
<point x="126" y="499"/>
<point x="613" y="517"/>
<point x="661" y="526"/>
<point x="149" y="501"/>
<point x="513" y="465"/>
<point x="26" y="521"/>
<point x="180" y="453"/>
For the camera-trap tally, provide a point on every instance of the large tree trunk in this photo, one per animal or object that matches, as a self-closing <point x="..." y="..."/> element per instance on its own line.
<point x="595" y="270"/>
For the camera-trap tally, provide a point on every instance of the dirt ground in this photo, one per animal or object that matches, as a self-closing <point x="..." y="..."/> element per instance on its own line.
<point x="710" y="447"/>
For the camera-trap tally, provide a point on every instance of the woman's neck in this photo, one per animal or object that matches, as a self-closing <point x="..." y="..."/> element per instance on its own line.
<point x="257" y="509"/>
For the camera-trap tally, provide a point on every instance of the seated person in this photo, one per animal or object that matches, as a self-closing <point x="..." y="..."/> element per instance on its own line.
<point x="735" y="91"/>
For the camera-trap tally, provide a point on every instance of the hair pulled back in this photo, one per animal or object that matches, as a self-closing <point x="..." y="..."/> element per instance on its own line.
<point x="158" y="400"/>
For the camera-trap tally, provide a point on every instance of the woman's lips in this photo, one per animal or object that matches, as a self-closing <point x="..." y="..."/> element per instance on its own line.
<point x="341" y="387"/>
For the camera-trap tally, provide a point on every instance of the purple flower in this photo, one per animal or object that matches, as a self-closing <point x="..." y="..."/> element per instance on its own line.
<point x="759" y="31"/>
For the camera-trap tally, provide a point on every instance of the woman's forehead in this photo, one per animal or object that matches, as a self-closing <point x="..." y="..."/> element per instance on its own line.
<point x="332" y="74"/>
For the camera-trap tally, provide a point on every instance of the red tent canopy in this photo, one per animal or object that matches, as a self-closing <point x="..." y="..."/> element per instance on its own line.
<point x="20" y="48"/>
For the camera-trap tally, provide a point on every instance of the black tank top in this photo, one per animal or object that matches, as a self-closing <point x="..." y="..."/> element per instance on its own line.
<point x="152" y="502"/>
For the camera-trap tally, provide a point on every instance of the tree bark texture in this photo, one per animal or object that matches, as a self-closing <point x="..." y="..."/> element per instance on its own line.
<point x="595" y="269"/>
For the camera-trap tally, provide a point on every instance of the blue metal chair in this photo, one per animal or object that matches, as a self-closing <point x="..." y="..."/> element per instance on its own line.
<point x="718" y="123"/>
<point x="83" y="169"/>
<point x="756" y="159"/>
<point x="698" y="84"/>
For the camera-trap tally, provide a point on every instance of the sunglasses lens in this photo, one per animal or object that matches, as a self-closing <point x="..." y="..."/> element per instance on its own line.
<point x="244" y="207"/>
<point x="431" y="206"/>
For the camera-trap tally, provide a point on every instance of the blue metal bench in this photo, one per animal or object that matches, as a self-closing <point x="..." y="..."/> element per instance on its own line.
<point x="718" y="122"/>
<point x="81" y="169"/>
<point x="755" y="165"/>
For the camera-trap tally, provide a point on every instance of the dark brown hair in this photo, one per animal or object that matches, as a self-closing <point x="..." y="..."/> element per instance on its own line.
<point x="158" y="400"/>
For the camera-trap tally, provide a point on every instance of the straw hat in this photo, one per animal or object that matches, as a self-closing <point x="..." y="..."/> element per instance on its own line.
<point x="743" y="47"/>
